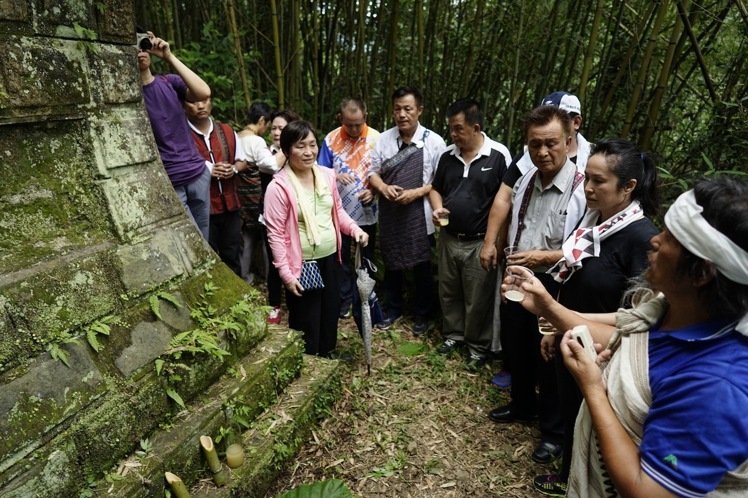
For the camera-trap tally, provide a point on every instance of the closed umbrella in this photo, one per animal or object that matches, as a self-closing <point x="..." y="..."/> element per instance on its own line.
<point x="365" y="285"/>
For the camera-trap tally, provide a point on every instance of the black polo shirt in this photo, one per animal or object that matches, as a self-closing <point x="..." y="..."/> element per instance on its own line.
<point x="469" y="198"/>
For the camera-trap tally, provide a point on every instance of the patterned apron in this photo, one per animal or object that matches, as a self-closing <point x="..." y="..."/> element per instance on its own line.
<point x="403" y="239"/>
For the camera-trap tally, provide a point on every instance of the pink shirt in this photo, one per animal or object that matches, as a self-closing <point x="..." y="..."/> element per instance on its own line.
<point x="282" y="221"/>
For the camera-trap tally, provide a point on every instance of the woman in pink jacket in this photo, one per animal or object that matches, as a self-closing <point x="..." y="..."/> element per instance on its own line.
<point x="304" y="218"/>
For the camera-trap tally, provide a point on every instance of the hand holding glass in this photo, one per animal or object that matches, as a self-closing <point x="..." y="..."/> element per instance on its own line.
<point x="514" y="277"/>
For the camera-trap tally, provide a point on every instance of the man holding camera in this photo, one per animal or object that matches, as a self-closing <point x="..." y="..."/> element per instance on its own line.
<point x="187" y="170"/>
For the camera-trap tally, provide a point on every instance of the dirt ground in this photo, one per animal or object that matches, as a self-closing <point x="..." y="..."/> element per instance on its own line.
<point x="417" y="427"/>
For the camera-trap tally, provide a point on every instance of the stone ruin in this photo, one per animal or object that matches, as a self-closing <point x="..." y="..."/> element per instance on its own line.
<point x="122" y="338"/>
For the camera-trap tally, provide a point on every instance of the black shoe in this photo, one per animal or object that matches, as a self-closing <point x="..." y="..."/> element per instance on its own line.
<point x="475" y="362"/>
<point x="505" y="415"/>
<point x="345" y="313"/>
<point x="387" y="322"/>
<point x="447" y="346"/>
<point x="546" y="452"/>
<point x="421" y="326"/>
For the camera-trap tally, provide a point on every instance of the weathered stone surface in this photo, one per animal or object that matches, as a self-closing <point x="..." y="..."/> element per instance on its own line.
<point x="57" y="475"/>
<point x="113" y="133"/>
<point x="46" y="395"/>
<point x="148" y="341"/>
<point x="64" y="297"/>
<point x="132" y="199"/>
<point x="116" y="20"/>
<point x="42" y="73"/>
<point x="150" y="263"/>
<point x="114" y="68"/>
<point x="13" y="10"/>
<point x="51" y="203"/>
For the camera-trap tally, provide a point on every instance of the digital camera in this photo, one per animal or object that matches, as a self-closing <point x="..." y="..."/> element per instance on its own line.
<point x="143" y="41"/>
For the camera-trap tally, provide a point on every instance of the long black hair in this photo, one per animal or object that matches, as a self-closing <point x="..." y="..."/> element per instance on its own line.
<point x="628" y="162"/>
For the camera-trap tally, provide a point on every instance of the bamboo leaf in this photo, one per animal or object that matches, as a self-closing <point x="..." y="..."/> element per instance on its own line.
<point x="175" y="396"/>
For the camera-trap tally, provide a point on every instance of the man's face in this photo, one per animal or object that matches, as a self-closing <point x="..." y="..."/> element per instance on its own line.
<point x="548" y="146"/>
<point x="463" y="135"/>
<point x="198" y="110"/>
<point x="406" y="113"/>
<point x="352" y="120"/>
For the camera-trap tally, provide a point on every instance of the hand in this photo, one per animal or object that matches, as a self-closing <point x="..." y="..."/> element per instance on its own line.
<point x="537" y="300"/>
<point x="160" y="48"/>
<point x="390" y="192"/>
<point x="295" y="288"/>
<point x="362" y="238"/>
<point x="529" y="259"/>
<point x="583" y="368"/>
<point x="345" y="178"/>
<point x="548" y="347"/>
<point x="441" y="212"/>
<point x="365" y="196"/>
<point x="488" y="256"/>
<point x="407" y="196"/>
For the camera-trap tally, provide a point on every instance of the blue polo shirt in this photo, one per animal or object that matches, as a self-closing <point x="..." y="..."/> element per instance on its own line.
<point x="697" y="427"/>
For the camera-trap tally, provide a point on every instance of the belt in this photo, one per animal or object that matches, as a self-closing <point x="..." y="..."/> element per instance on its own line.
<point x="467" y="237"/>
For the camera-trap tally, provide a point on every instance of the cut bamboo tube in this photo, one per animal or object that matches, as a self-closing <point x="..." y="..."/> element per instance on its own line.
<point x="209" y="450"/>
<point x="234" y="455"/>
<point x="177" y="486"/>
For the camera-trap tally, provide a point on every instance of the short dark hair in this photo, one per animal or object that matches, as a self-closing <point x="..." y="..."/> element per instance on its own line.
<point x="287" y="114"/>
<point x="402" y="91"/>
<point x="544" y="114"/>
<point x="470" y="108"/>
<point x="628" y="162"/>
<point x="725" y="207"/>
<point x="294" y="132"/>
<point x="356" y="102"/>
<point x="256" y="111"/>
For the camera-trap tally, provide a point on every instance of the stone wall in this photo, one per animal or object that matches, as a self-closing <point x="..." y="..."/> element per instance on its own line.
<point x="91" y="231"/>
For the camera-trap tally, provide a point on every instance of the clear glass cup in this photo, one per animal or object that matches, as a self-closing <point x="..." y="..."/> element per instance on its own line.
<point x="514" y="277"/>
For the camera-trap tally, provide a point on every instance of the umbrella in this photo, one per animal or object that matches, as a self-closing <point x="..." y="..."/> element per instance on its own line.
<point x="365" y="285"/>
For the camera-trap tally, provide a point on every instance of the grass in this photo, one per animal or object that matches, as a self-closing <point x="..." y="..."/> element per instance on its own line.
<point x="416" y="427"/>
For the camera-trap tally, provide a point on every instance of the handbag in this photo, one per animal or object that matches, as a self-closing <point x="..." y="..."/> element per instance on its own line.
<point x="311" y="278"/>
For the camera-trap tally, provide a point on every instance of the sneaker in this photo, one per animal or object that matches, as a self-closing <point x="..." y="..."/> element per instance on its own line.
<point x="549" y="485"/>
<point x="274" y="317"/>
<point x="475" y="362"/>
<point x="421" y="326"/>
<point x="345" y="313"/>
<point x="448" y="346"/>
<point x="387" y="322"/>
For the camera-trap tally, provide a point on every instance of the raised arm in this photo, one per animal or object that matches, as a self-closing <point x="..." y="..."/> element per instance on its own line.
<point x="197" y="88"/>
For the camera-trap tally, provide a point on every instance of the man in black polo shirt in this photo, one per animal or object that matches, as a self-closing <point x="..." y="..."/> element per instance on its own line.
<point x="466" y="180"/>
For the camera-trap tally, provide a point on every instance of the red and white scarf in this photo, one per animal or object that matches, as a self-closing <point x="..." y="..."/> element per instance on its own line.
<point x="584" y="242"/>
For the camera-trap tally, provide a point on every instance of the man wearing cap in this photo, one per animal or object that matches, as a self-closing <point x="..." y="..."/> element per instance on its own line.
<point x="579" y="151"/>
<point x="466" y="180"/>
<point x="188" y="171"/>
<point x="548" y="202"/>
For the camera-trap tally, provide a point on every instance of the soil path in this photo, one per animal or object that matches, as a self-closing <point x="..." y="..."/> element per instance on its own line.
<point x="417" y="427"/>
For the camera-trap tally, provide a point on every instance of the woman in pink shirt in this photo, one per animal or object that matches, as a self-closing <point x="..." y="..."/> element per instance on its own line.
<point x="305" y="218"/>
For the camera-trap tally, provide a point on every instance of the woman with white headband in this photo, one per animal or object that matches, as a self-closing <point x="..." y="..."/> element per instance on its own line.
<point x="668" y="414"/>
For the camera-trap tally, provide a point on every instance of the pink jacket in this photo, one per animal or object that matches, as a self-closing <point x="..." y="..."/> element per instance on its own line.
<point x="282" y="221"/>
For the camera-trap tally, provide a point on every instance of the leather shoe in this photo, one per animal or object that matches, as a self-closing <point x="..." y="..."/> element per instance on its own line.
<point x="505" y="415"/>
<point x="546" y="452"/>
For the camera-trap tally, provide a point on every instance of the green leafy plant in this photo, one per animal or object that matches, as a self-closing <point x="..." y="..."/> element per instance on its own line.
<point x="155" y="302"/>
<point x="331" y="488"/>
<point x="56" y="350"/>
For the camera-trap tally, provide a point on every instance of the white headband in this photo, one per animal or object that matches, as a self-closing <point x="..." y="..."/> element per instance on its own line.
<point x="685" y="222"/>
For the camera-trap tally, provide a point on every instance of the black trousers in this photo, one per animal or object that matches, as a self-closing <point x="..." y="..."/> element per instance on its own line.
<point x="424" y="290"/>
<point x="521" y="342"/>
<point x="225" y="237"/>
<point x="274" y="283"/>
<point x="315" y="313"/>
<point x="347" y="277"/>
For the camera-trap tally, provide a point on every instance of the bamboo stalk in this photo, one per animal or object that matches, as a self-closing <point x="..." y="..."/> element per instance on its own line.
<point x="177" y="485"/>
<point x="209" y="450"/>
